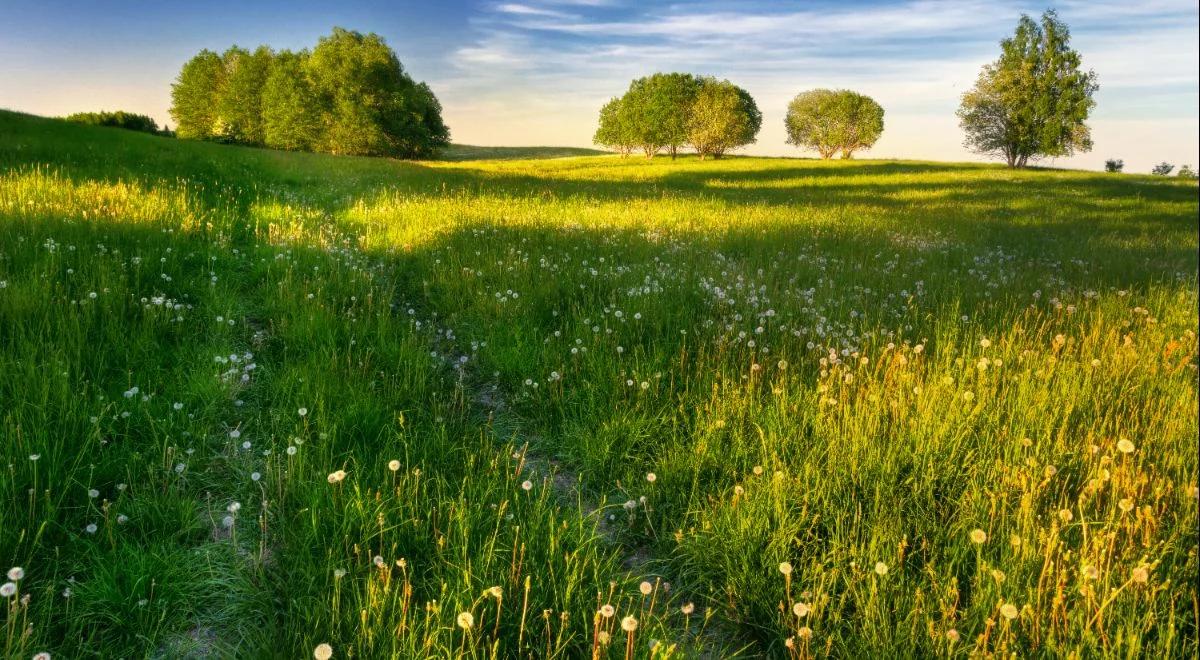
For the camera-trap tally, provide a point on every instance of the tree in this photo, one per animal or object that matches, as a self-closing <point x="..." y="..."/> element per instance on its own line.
<point x="1186" y="172"/>
<point x="287" y="105"/>
<point x="614" y="131"/>
<point x="368" y="104"/>
<point x="1162" y="169"/>
<point x="240" y="101"/>
<point x="829" y="121"/>
<point x="723" y="117"/>
<point x="1034" y="100"/>
<point x="194" y="96"/>
<point x="1114" y="165"/>
<point x="659" y="107"/>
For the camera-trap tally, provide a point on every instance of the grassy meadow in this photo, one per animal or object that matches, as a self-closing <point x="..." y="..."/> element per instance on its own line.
<point x="256" y="402"/>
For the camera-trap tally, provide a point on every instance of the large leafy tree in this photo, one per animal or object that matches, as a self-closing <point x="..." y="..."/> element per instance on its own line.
<point x="615" y="129"/>
<point x="660" y="107"/>
<point x="287" y="102"/>
<point x="195" y="94"/>
<point x="829" y="121"/>
<point x="368" y="104"/>
<point x="240" y="103"/>
<point x="1033" y="101"/>
<point x="723" y="117"/>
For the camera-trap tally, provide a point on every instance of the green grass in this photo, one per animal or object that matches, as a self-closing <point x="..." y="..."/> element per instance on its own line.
<point x="844" y="366"/>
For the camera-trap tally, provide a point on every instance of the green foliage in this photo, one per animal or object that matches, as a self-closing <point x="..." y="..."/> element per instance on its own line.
<point x="1186" y="172"/>
<point x="369" y="105"/>
<point x="829" y="121"/>
<point x="670" y="110"/>
<point x="288" y="102"/>
<point x="1162" y="169"/>
<point x="1034" y="101"/>
<point x="195" y="97"/>
<point x="724" y="117"/>
<point x="119" y="119"/>
<point x="1114" y="165"/>
<point x="616" y="129"/>
<point x="241" y="103"/>
<point x="349" y="96"/>
<point x="659" y="108"/>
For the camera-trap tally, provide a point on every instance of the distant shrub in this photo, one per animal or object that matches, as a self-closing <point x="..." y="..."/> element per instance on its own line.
<point x="119" y="119"/>
<point x="1186" y="172"/>
<point x="1114" y="165"/>
<point x="1162" y="169"/>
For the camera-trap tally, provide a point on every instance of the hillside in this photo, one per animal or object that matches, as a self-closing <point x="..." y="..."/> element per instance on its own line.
<point x="257" y="401"/>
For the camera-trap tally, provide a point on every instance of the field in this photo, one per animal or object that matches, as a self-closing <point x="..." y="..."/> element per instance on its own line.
<point x="255" y="402"/>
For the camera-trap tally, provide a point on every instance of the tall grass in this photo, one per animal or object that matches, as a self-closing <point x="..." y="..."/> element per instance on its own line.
<point x="256" y="403"/>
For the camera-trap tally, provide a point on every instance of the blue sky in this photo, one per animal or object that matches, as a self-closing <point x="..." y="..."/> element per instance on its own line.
<point x="536" y="71"/>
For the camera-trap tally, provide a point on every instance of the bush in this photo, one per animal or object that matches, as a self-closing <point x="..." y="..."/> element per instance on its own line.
<point x="1114" y="165"/>
<point x="1162" y="169"/>
<point x="119" y="119"/>
<point x="1186" y="172"/>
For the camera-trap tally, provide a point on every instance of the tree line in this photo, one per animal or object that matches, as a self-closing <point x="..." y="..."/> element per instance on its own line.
<point x="348" y="95"/>
<point x="120" y="119"/>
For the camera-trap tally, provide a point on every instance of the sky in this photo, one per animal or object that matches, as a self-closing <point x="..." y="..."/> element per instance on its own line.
<point x="535" y="72"/>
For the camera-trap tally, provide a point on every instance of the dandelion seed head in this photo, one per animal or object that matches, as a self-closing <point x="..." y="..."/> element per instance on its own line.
<point x="466" y="620"/>
<point x="978" y="536"/>
<point x="323" y="652"/>
<point x="629" y="624"/>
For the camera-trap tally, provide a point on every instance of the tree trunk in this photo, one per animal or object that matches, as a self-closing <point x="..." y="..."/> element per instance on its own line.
<point x="673" y="150"/>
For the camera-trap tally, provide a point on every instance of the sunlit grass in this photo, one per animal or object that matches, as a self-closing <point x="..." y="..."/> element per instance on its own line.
<point x="256" y="402"/>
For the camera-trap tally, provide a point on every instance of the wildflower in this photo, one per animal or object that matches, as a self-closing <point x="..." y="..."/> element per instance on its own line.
<point x="527" y="485"/>
<point x="1126" y="505"/>
<point x="336" y="477"/>
<point x="122" y="519"/>
<point x="339" y="573"/>
<point x="881" y="568"/>
<point x="1066" y="515"/>
<point x="394" y="465"/>
<point x="303" y="412"/>
<point x="1009" y="611"/>
<point x="91" y="528"/>
<point x="466" y="620"/>
<point x="234" y="507"/>
<point x="607" y="611"/>
<point x="650" y="476"/>
<point x="235" y="434"/>
<point x="1125" y="446"/>
<point x="952" y="635"/>
<point x="985" y="342"/>
<point x="645" y="588"/>
<point x="978" y="536"/>
<point x="227" y="522"/>
<point x="177" y="406"/>
<point x="496" y="592"/>
<point x="44" y="655"/>
<point x="255" y="476"/>
<point x="757" y="470"/>
<point x="790" y="642"/>
<point x="805" y="632"/>
<point x="16" y="573"/>
<point x="323" y="652"/>
<point x="1141" y="575"/>
<point x="629" y="624"/>
<point x="800" y="610"/>
<point x="93" y="493"/>
<point x="7" y="589"/>
<point x="687" y="608"/>
<point x="785" y="568"/>
<point x="34" y="457"/>
<point x="603" y="637"/>
<point x="291" y="450"/>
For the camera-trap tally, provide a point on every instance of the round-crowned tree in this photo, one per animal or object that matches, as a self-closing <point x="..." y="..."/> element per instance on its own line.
<point x="832" y="121"/>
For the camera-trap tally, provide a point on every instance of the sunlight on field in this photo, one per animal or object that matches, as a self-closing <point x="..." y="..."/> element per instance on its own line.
<point x="258" y="402"/>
